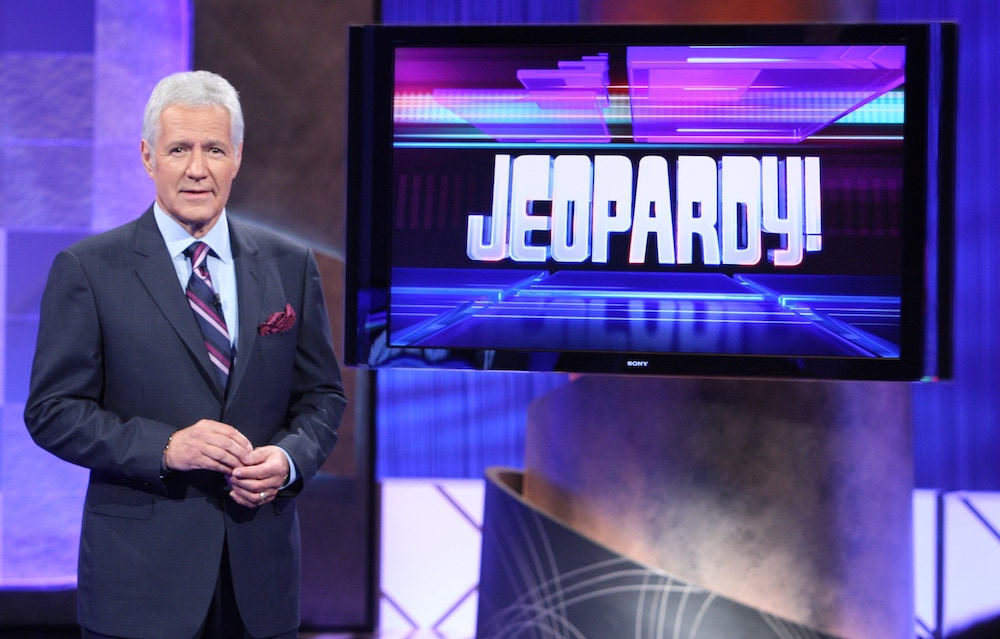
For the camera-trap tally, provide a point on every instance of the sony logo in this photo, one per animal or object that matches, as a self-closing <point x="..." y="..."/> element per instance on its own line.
<point x="637" y="363"/>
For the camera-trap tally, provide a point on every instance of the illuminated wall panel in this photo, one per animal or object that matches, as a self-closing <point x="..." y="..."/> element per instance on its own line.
<point x="74" y="77"/>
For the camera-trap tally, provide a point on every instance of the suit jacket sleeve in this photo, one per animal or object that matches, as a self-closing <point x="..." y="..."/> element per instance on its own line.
<point x="317" y="400"/>
<point x="64" y="412"/>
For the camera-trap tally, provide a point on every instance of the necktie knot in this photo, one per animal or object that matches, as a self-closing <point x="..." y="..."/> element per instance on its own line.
<point x="198" y="252"/>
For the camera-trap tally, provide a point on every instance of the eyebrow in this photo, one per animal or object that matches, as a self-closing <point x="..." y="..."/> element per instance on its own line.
<point x="185" y="142"/>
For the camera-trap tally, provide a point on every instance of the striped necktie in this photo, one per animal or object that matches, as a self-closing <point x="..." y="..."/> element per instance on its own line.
<point x="208" y="311"/>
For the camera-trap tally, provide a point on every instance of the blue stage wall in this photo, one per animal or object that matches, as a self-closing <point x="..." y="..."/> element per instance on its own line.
<point x="956" y="423"/>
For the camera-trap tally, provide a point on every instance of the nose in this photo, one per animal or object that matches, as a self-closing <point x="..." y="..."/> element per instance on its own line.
<point x="197" y="168"/>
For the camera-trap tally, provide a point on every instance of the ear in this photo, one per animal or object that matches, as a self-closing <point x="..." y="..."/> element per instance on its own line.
<point x="238" y="159"/>
<point x="147" y="156"/>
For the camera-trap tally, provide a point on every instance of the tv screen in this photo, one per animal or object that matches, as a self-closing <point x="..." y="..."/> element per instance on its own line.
<point x="733" y="200"/>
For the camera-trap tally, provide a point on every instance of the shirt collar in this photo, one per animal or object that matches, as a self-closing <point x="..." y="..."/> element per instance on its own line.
<point x="177" y="239"/>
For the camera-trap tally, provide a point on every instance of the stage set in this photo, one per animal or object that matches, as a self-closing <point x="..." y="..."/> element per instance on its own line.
<point x="822" y="465"/>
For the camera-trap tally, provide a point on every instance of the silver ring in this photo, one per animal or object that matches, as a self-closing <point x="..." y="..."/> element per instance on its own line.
<point x="263" y="498"/>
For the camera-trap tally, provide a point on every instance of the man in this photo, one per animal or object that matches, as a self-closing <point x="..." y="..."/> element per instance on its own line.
<point x="198" y="438"/>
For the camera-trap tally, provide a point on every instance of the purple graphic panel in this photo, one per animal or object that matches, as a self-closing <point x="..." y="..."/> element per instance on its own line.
<point x="556" y="105"/>
<point x="663" y="94"/>
<point x="737" y="95"/>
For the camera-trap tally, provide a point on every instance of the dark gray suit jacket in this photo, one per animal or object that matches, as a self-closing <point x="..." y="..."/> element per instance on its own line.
<point x="120" y="365"/>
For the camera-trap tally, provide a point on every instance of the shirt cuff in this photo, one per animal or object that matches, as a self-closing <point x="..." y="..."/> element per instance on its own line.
<point x="292" y="473"/>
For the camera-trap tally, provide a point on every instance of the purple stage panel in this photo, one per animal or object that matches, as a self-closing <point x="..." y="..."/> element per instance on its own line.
<point x="503" y="101"/>
<point x="673" y="94"/>
<point x="751" y="94"/>
<point x="41" y="501"/>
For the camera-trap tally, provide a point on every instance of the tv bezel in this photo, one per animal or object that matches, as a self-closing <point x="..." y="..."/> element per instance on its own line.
<point x="926" y="272"/>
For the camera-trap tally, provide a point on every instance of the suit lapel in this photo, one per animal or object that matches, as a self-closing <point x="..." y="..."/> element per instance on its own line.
<point x="250" y="289"/>
<point x="156" y="272"/>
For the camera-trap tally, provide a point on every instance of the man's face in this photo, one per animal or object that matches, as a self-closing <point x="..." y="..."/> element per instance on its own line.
<point x="193" y="165"/>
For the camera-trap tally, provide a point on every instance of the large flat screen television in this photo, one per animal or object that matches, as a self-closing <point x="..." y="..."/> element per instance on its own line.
<point x="732" y="200"/>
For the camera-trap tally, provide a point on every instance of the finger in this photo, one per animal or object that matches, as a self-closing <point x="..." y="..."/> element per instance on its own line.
<point x="228" y="438"/>
<point x="260" y="472"/>
<point x="242" y="500"/>
<point x="270" y="484"/>
<point x="251" y="499"/>
<point x="188" y="451"/>
<point x="249" y="486"/>
<point x="207" y="463"/>
<point x="213" y="452"/>
<point x="260" y="455"/>
<point x="220" y="442"/>
<point x="265" y="463"/>
<point x="227" y="453"/>
<point x="210" y="427"/>
<point x="243" y="445"/>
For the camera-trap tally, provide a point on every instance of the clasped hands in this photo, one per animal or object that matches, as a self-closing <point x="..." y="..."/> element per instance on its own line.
<point x="254" y="474"/>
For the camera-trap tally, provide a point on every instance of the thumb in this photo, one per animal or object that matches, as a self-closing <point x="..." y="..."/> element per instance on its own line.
<point x="254" y="456"/>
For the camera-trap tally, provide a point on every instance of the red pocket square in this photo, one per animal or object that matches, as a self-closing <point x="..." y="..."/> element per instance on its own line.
<point x="278" y="322"/>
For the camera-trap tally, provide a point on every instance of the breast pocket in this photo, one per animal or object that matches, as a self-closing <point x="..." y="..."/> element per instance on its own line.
<point x="285" y="339"/>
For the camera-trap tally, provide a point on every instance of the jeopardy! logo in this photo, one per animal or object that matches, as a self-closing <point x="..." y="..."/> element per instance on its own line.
<point x="566" y="209"/>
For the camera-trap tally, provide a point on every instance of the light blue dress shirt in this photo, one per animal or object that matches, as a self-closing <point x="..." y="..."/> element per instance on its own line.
<point x="222" y="270"/>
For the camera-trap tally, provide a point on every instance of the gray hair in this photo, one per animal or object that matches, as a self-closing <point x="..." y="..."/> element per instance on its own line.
<point x="193" y="89"/>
